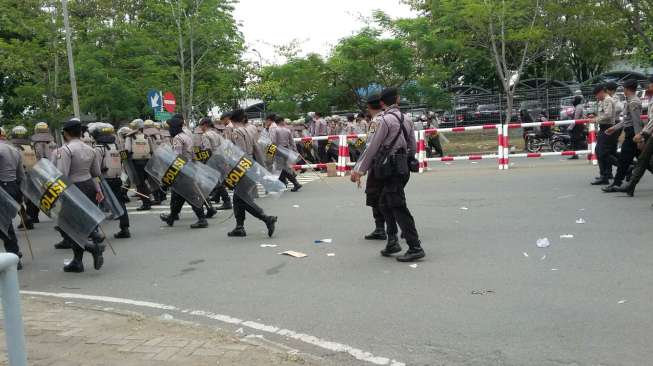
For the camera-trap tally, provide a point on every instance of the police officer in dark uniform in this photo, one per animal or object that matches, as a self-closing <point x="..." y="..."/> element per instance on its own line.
<point x="605" y="143"/>
<point x="210" y="140"/>
<point x="80" y="164"/>
<point x="11" y="174"/>
<point x="394" y="140"/>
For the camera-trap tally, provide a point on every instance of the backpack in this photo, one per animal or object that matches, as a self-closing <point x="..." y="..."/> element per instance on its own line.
<point x="111" y="161"/>
<point x="28" y="154"/>
<point x="140" y="147"/>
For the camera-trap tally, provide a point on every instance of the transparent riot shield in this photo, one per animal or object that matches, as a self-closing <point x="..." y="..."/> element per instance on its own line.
<point x="8" y="210"/>
<point x="191" y="180"/>
<point x="278" y="158"/>
<point x="62" y="201"/>
<point x="111" y="205"/>
<point x="130" y="169"/>
<point x="242" y="174"/>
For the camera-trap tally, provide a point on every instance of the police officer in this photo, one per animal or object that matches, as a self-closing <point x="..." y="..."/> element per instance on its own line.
<point x="11" y="174"/>
<point x="80" y="164"/>
<point x="44" y="146"/>
<point x="282" y="136"/>
<point x="182" y="144"/>
<point x="394" y="138"/>
<point x="245" y="137"/>
<point x="20" y="140"/>
<point x="320" y="128"/>
<point x="210" y="141"/>
<point x="139" y="151"/>
<point x="605" y="143"/>
<point x="153" y="135"/>
<point x="577" y="130"/>
<point x="631" y="125"/>
<point x="107" y="149"/>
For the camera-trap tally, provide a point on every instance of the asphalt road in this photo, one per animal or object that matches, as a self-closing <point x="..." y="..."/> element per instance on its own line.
<point x="477" y="299"/>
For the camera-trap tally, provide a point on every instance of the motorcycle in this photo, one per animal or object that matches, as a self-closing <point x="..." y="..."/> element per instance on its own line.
<point x="557" y="142"/>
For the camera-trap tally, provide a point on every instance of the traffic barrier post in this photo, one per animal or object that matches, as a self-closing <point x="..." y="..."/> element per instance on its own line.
<point x="13" y="320"/>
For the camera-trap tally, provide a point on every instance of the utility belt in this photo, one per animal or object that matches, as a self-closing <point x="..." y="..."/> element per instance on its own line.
<point x="387" y="164"/>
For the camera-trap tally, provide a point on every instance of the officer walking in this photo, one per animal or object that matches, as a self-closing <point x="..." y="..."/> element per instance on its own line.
<point x="11" y="174"/>
<point x="605" y="143"/>
<point x="44" y="146"/>
<point x="139" y="151"/>
<point x="577" y="130"/>
<point x="320" y="128"/>
<point x="210" y="141"/>
<point x="245" y="137"/>
<point x="282" y="136"/>
<point x="20" y="140"/>
<point x="394" y="140"/>
<point x="631" y="125"/>
<point x="182" y="144"/>
<point x="111" y="167"/>
<point x="80" y="164"/>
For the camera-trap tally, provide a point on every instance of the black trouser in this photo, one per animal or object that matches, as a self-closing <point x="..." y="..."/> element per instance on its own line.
<point x="643" y="162"/>
<point x="241" y="206"/>
<point x="32" y="211"/>
<point x="606" y="151"/>
<point x="628" y="153"/>
<point x="116" y="188"/>
<point x="578" y="139"/>
<point x="222" y="192"/>
<point x="286" y="176"/>
<point x="141" y="184"/>
<point x="88" y="189"/>
<point x="392" y="203"/>
<point x="10" y="240"/>
<point x="373" y="189"/>
<point x="434" y="143"/>
<point x="177" y="202"/>
<point x="322" y="151"/>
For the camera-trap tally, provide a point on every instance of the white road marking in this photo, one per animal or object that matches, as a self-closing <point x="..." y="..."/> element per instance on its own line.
<point x="306" y="338"/>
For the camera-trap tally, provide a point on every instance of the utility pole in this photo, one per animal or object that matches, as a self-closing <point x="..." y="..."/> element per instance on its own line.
<point x="71" y="63"/>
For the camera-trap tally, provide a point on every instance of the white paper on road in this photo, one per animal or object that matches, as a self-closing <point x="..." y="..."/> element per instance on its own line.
<point x="554" y="269"/>
<point x="269" y="245"/>
<point x="413" y="265"/>
<point x="566" y="236"/>
<point x="295" y="206"/>
<point x="294" y="254"/>
<point x="324" y="241"/>
<point x="581" y="221"/>
<point x="464" y="208"/>
<point x="621" y="301"/>
<point x="331" y="254"/>
<point x="543" y="257"/>
<point x="525" y="254"/>
<point x="543" y="243"/>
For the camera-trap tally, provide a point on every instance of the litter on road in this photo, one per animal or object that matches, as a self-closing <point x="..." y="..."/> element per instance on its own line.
<point x="414" y="265"/>
<point x="543" y="257"/>
<point x="554" y="269"/>
<point x="621" y="301"/>
<point x="295" y="206"/>
<point x="525" y="254"/>
<point x="566" y="236"/>
<point x="324" y="241"/>
<point x="269" y="245"/>
<point x="294" y="254"/>
<point x="464" y="208"/>
<point x="580" y="221"/>
<point x="331" y="254"/>
<point x="543" y="242"/>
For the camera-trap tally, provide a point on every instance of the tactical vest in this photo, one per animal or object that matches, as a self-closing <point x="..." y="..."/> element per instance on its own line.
<point x="140" y="147"/>
<point x="111" y="162"/>
<point x="28" y="155"/>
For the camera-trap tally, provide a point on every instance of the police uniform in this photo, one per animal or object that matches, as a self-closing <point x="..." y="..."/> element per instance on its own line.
<point x="182" y="144"/>
<point x="108" y="152"/>
<point x="11" y="174"/>
<point x="155" y="140"/>
<point x="320" y="128"/>
<point x="392" y="198"/>
<point x="283" y="137"/>
<point x="139" y="151"/>
<point x="245" y="137"/>
<point x="20" y="140"/>
<point x="631" y="125"/>
<point x="605" y="143"/>
<point x="80" y="164"/>
<point x="210" y="141"/>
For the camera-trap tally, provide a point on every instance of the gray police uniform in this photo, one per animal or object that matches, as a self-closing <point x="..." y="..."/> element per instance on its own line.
<point x="631" y="125"/>
<point x="606" y="144"/>
<point x="11" y="174"/>
<point x="211" y="140"/>
<point x="139" y="166"/>
<point x="115" y="183"/>
<point x="392" y="198"/>
<point x="282" y="136"/>
<point x="182" y="144"/>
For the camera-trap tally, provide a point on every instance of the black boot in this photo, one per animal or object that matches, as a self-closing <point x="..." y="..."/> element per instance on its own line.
<point x="210" y="212"/>
<point x="239" y="231"/>
<point x="612" y="188"/>
<point x="271" y="222"/>
<point x="168" y="219"/>
<point x="377" y="234"/>
<point x="296" y="188"/>
<point x="200" y="224"/>
<point x="392" y="247"/>
<point x="97" y="237"/>
<point x="146" y="206"/>
<point x="629" y="189"/>
<point x="226" y="205"/>
<point x="600" y="182"/>
<point x="63" y="244"/>
<point x="96" y="251"/>
<point x="76" y="265"/>
<point x="123" y="233"/>
<point x="415" y="252"/>
<point x="29" y="224"/>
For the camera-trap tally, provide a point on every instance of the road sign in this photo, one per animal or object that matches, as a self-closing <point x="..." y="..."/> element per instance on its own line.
<point x="162" y="116"/>
<point x="169" y="102"/>
<point x="154" y="99"/>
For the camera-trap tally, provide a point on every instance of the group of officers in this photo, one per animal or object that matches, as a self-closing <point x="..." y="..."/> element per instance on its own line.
<point x="614" y="118"/>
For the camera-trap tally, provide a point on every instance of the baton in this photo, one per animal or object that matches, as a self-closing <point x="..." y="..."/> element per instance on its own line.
<point x="135" y="191"/>
<point x="107" y="240"/>
<point x="29" y="242"/>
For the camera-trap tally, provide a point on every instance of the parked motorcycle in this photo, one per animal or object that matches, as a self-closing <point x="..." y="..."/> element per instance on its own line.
<point x="557" y="142"/>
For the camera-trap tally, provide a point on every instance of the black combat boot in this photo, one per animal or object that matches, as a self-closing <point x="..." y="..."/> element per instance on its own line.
<point x="271" y="222"/>
<point x="629" y="189"/>
<point x="600" y="181"/>
<point x="200" y="224"/>
<point x="123" y="233"/>
<point x="414" y="252"/>
<point x="239" y="231"/>
<point x="226" y="205"/>
<point x="146" y="206"/>
<point x="97" y="237"/>
<point x="96" y="251"/>
<point x="168" y="219"/>
<point x="63" y="244"/>
<point x="392" y="247"/>
<point x="377" y="234"/>
<point x="210" y="212"/>
<point x="28" y="224"/>
<point x="76" y="265"/>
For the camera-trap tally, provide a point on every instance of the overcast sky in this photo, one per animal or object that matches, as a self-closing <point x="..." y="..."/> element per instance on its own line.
<point x="318" y="24"/>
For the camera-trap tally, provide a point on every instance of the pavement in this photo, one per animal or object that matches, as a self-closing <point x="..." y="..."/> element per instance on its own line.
<point x="484" y="295"/>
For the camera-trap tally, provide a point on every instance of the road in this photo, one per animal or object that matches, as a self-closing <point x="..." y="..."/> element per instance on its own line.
<point x="485" y="294"/>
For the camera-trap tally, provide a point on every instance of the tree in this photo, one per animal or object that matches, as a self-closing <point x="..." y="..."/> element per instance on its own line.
<point x="639" y="16"/>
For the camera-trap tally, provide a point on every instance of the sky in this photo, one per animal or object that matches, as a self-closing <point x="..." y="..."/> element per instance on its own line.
<point x="317" y="24"/>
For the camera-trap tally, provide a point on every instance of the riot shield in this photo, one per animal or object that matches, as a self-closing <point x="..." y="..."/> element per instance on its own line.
<point x="243" y="173"/>
<point x="278" y="158"/>
<point x="111" y="205"/>
<point x="130" y="169"/>
<point x="192" y="180"/>
<point x="62" y="201"/>
<point x="8" y="210"/>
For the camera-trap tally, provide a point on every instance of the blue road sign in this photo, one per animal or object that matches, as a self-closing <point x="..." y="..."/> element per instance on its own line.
<point x="154" y="99"/>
